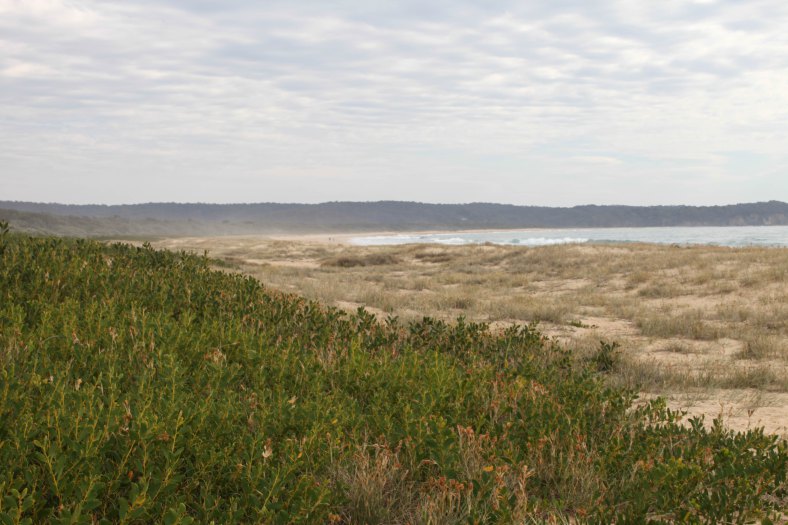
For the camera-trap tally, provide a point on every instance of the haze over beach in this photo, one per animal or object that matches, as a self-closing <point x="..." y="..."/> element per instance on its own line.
<point x="537" y="103"/>
<point x="393" y="262"/>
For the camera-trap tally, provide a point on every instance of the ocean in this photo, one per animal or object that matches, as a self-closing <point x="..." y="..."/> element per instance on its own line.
<point x="719" y="236"/>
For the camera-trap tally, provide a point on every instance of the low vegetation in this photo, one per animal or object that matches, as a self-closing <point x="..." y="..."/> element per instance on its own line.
<point x="723" y="309"/>
<point x="372" y="259"/>
<point x="141" y="386"/>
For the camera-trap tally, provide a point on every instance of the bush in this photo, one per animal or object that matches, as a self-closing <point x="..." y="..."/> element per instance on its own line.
<point x="606" y="358"/>
<point x="139" y="386"/>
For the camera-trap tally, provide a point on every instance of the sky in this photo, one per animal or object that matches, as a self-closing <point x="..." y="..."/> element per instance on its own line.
<point x="553" y="103"/>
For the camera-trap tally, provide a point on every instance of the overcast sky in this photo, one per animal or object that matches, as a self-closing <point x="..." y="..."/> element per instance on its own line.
<point x="557" y="102"/>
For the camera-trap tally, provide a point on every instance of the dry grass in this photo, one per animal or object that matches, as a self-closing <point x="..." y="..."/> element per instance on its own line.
<point x="380" y="484"/>
<point x="687" y="318"/>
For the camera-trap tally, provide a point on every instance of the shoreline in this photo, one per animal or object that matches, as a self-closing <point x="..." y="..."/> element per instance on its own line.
<point x="346" y="237"/>
<point x="530" y="237"/>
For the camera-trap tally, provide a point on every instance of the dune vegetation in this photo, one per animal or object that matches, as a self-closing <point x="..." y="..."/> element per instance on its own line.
<point x="143" y="386"/>
<point x="704" y="326"/>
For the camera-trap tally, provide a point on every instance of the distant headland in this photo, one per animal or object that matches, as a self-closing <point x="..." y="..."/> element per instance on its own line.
<point x="235" y="219"/>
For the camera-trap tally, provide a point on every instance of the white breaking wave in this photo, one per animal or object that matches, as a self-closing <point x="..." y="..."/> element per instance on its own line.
<point x="716" y="235"/>
<point x="544" y="241"/>
<point x="451" y="240"/>
<point x="386" y="240"/>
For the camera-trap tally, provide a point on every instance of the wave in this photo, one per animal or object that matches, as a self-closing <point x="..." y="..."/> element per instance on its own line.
<point x="386" y="240"/>
<point x="734" y="236"/>
<point x="544" y="241"/>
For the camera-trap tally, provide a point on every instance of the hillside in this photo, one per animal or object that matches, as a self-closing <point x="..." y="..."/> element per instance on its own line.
<point x="139" y="386"/>
<point x="211" y="219"/>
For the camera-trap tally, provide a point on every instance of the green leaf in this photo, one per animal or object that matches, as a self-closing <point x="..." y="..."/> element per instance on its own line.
<point x="123" y="508"/>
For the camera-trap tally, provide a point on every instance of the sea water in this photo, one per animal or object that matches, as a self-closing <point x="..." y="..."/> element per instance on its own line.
<point x="717" y="235"/>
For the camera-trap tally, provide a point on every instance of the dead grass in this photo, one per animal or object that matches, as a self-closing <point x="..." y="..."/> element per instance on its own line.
<point x="381" y="484"/>
<point x="372" y="259"/>
<point x="686" y="317"/>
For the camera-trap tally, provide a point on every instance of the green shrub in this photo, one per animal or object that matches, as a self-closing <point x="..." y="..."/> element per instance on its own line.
<point x="139" y="386"/>
<point x="606" y="358"/>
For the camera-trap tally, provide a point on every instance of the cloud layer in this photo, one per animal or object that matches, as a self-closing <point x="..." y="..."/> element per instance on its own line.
<point x="555" y="103"/>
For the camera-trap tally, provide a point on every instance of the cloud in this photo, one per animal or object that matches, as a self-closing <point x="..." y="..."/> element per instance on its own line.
<point x="455" y="101"/>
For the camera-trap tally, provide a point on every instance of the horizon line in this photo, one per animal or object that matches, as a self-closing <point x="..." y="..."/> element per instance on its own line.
<point x="205" y="203"/>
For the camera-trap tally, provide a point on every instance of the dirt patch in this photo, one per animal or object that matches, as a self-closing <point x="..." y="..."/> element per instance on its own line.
<point x="740" y="409"/>
<point x="352" y="307"/>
